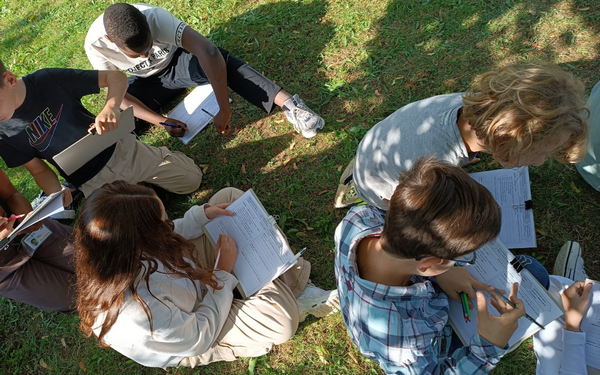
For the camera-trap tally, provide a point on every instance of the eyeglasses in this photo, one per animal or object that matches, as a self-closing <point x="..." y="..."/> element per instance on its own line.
<point x="465" y="260"/>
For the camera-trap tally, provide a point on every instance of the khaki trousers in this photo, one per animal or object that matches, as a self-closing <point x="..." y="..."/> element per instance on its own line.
<point x="135" y="161"/>
<point x="270" y="317"/>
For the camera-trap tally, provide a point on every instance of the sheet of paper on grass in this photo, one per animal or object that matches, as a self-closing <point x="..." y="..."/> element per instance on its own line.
<point x="493" y="267"/>
<point x="263" y="251"/>
<point x="510" y="188"/>
<point x="591" y="326"/>
<point x="196" y="110"/>
<point x="50" y="206"/>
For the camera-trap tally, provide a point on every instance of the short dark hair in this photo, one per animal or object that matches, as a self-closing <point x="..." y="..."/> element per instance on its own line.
<point x="437" y="209"/>
<point x="126" y="26"/>
<point x="2" y="71"/>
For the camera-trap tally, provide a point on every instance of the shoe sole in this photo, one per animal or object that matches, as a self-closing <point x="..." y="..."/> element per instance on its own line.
<point x="561" y="265"/>
<point x="322" y="306"/>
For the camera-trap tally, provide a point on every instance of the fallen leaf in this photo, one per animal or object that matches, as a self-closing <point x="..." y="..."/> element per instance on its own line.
<point x="82" y="365"/>
<point x="430" y="54"/>
<point x="36" y="315"/>
<point x="323" y="354"/>
<point x="290" y="206"/>
<point x="373" y="107"/>
<point x="339" y="169"/>
<point x="224" y="160"/>
<point x="286" y="161"/>
<point x="45" y="365"/>
<point x="410" y="86"/>
<point x="322" y="192"/>
<point x="583" y="9"/>
<point x="292" y="146"/>
<point x="244" y="168"/>
<point x="341" y="120"/>
<point x="396" y="79"/>
<point x="31" y="18"/>
<point x="301" y="234"/>
<point x="353" y="358"/>
<point x="540" y="232"/>
<point x="62" y="340"/>
<point x="575" y="187"/>
<point x="295" y="166"/>
<point x="310" y="228"/>
<point x="377" y="93"/>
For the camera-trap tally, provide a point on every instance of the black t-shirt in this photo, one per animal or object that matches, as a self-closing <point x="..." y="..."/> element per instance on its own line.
<point x="51" y="119"/>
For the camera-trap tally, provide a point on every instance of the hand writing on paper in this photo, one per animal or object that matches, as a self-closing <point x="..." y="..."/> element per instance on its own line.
<point x="6" y="227"/>
<point x="576" y="300"/>
<point x="213" y="211"/>
<point x="499" y="329"/>
<point x="457" y="280"/>
<point x="175" y="131"/>
<point x="228" y="253"/>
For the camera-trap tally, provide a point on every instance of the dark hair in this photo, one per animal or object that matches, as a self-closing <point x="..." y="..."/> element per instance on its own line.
<point x="2" y="71"/>
<point x="120" y="236"/>
<point x="437" y="209"/>
<point x="126" y="26"/>
<point x="518" y="106"/>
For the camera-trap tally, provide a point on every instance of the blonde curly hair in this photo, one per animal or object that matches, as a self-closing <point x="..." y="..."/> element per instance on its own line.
<point x="516" y="107"/>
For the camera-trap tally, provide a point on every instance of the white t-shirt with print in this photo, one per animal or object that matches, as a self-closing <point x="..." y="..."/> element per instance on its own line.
<point x="166" y="30"/>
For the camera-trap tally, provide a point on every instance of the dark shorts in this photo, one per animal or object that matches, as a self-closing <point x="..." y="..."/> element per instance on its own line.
<point x="184" y="71"/>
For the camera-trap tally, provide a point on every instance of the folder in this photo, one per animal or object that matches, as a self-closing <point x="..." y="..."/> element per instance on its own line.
<point x="75" y="156"/>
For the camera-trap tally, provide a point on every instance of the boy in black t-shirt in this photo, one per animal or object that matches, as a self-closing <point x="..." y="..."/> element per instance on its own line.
<point x="41" y="115"/>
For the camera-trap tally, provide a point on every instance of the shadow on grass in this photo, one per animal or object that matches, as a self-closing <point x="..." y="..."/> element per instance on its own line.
<point x="284" y="41"/>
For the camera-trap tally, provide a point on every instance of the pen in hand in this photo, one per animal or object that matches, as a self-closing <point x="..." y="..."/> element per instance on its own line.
<point x="171" y="125"/>
<point x="16" y="217"/>
<point x="465" y="306"/>
<point x="508" y="302"/>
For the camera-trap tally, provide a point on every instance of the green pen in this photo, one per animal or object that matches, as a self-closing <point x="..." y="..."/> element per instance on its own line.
<point x="465" y="306"/>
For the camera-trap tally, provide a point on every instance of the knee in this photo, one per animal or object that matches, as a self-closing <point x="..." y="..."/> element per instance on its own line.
<point x="229" y="194"/>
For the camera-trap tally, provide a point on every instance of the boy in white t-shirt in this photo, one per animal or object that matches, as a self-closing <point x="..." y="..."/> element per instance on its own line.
<point x="164" y="55"/>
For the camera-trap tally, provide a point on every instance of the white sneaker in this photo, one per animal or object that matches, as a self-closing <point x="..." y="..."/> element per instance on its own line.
<point x="317" y="302"/>
<point x="569" y="262"/>
<point x="304" y="119"/>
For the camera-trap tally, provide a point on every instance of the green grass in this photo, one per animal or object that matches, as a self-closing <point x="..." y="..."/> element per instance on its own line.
<point x="353" y="61"/>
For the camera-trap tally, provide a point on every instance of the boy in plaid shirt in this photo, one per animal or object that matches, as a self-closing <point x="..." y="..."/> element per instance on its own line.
<point x="389" y="268"/>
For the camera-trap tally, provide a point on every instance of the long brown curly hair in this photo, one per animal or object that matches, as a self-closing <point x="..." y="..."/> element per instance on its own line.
<point x="120" y="238"/>
<point x="517" y="106"/>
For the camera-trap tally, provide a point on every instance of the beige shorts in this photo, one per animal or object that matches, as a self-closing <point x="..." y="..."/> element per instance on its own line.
<point x="135" y="161"/>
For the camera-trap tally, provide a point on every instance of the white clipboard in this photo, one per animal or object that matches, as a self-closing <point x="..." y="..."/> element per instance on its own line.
<point x="75" y="156"/>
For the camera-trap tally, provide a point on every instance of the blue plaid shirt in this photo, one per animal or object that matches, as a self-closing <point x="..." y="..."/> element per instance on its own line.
<point x="405" y="328"/>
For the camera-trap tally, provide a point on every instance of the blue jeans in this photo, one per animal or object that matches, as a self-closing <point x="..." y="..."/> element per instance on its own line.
<point x="535" y="268"/>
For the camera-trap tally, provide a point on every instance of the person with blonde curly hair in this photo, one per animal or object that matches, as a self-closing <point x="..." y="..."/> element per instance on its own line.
<point x="521" y="114"/>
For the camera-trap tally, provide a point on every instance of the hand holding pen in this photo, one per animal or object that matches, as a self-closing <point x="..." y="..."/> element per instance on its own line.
<point x="174" y="127"/>
<point x="499" y="329"/>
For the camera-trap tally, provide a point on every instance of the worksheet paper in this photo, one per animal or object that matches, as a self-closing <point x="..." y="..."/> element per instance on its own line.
<point x="510" y="188"/>
<point x="263" y="252"/>
<point x="50" y="206"/>
<point x="196" y="110"/>
<point x="591" y="326"/>
<point x="493" y="267"/>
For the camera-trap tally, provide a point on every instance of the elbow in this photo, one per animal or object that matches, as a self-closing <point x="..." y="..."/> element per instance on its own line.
<point x="212" y="50"/>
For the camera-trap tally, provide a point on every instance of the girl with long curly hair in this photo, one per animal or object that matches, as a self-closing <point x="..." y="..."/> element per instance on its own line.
<point x="147" y="288"/>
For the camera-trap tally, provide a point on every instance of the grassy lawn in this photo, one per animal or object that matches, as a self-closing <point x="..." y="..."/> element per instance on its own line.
<point x="354" y="62"/>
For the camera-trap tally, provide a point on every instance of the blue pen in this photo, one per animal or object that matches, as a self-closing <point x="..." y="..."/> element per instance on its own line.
<point x="171" y="125"/>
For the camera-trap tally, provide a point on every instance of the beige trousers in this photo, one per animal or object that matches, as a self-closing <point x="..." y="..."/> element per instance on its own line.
<point x="270" y="317"/>
<point x="134" y="161"/>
